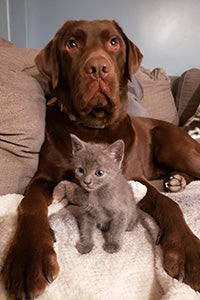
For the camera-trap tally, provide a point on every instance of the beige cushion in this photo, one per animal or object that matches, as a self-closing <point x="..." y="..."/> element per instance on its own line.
<point x="188" y="94"/>
<point x="158" y="99"/>
<point x="22" y="118"/>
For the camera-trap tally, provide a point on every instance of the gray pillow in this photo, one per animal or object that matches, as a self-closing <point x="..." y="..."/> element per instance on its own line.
<point x="135" y="95"/>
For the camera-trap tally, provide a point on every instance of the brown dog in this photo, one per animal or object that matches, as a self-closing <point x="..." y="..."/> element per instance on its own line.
<point x="87" y="65"/>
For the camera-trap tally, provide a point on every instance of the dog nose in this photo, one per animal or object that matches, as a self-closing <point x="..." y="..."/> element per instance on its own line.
<point x="97" y="68"/>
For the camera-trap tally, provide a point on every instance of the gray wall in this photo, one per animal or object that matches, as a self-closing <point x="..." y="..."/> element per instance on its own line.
<point x="4" y="28"/>
<point x="166" y="31"/>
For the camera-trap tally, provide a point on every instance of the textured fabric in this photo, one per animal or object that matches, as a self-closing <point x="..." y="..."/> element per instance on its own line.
<point x="22" y="118"/>
<point x="158" y="99"/>
<point x="188" y="94"/>
<point x="135" y="272"/>
<point x="135" y="95"/>
<point x="192" y="126"/>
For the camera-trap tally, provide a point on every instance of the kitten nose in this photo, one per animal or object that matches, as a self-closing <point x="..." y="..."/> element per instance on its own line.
<point x="87" y="181"/>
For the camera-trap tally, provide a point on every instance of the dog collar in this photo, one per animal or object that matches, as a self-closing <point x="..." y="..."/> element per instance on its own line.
<point x="71" y="116"/>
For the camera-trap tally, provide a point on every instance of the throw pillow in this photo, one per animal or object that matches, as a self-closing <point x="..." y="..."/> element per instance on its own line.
<point x="188" y="94"/>
<point x="22" y="118"/>
<point x="158" y="99"/>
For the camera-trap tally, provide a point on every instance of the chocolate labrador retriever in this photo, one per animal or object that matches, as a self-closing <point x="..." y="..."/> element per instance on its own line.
<point x="88" y="65"/>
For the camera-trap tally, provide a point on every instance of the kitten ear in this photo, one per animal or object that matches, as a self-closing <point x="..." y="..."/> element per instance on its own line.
<point x="116" y="151"/>
<point x="77" y="144"/>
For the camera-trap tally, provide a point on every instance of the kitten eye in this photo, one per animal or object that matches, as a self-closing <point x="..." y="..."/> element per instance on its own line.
<point x="80" y="170"/>
<point x="99" y="173"/>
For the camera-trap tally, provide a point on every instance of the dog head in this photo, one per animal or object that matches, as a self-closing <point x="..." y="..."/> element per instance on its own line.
<point x="88" y="64"/>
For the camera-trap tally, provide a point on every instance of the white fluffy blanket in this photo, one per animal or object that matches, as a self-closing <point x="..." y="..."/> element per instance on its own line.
<point x="135" y="272"/>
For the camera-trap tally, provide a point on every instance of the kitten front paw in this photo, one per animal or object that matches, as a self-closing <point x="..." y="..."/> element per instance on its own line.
<point x="84" y="248"/>
<point x="111" y="247"/>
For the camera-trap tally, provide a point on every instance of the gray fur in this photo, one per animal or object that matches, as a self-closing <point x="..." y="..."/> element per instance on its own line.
<point x="106" y="201"/>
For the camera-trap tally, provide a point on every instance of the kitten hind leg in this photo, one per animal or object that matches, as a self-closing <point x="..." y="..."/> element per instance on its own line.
<point x="131" y="225"/>
<point x="133" y="220"/>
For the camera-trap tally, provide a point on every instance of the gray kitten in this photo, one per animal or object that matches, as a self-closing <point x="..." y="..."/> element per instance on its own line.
<point x="105" y="196"/>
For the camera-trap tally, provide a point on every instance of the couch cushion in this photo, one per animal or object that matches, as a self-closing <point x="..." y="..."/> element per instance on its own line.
<point x="158" y="99"/>
<point x="192" y="126"/>
<point x="188" y="94"/>
<point x="22" y="118"/>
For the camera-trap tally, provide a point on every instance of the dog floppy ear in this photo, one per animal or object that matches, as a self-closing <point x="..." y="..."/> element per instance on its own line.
<point x="133" y="54"/>
<point x="134" y="59"/>
<point x="47" y="62"/>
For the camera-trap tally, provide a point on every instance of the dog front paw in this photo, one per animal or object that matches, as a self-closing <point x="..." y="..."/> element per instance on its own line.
<point x="30" y="264"/>
<point x="181" y="256"/>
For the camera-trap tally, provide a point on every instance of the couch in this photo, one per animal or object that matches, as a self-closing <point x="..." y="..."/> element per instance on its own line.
<point x="136" y="271"/>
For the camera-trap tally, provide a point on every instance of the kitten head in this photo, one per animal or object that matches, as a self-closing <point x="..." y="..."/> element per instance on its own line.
<point x="96" y="164"/>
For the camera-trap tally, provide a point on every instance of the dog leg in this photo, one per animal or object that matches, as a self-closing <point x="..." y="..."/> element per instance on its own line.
<point x="181" y="248"/>
<point x="176" y="152"/>
<point x="31" y="261"/>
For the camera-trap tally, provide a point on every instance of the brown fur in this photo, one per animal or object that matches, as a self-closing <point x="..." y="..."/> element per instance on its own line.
<point x="87" y="65"/>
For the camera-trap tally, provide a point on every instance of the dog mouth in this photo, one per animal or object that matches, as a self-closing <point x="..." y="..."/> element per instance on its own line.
<point x="99" y="112"/>
<point x="98" y="106"/>
<point x="96" y="103"/>
<point x="102" y="108"/>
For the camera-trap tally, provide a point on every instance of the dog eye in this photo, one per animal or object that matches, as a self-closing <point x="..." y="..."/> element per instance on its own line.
<point x="99" y="173"/>
<point x="72" y="44"/>
<point x="114" y="42"/>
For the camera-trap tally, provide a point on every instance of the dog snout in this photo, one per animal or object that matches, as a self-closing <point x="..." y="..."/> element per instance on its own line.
<point x="97" y="68"/>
